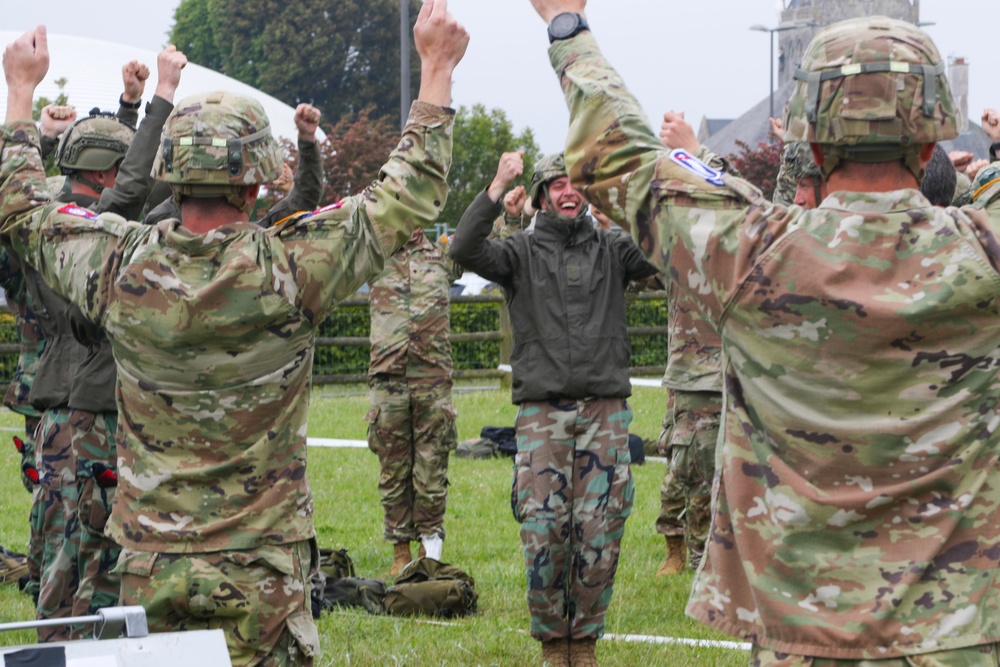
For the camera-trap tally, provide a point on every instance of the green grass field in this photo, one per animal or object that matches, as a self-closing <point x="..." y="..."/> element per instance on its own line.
<point x="482" y="539"/>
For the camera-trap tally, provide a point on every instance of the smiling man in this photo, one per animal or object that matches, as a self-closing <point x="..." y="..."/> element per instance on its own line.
<point x="565" y="286"/>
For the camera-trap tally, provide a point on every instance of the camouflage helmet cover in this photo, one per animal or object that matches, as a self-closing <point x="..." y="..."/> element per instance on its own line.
<point x="218" y="139"/>
<point x="547" y="169"/>
<point x="799" y="162"/>
<point x="95" y="143"/>
<point x="871" y="84"/>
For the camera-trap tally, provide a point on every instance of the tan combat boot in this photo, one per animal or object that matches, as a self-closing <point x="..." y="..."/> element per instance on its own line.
<point x="583" y="653"/>
<point x="555" y="653"/>
<point x="675" y="556"/>
<point x="401" y="557"/>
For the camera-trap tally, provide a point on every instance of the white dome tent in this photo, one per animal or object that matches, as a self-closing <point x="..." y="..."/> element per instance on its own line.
<point x="93" y="72"/>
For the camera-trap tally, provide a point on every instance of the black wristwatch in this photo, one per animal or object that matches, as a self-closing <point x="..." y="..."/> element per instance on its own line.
<point x="994" y="151"/>
<point x="566" y="25"/>
<point x="128" y="105"/>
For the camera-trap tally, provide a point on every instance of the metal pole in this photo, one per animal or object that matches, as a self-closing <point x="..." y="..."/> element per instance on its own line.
<point x="772" y="74"/>
<point x="404" y="62"/>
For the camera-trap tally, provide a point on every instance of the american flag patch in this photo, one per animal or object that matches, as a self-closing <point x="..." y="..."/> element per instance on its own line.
<point x="331" y="207"/>
<point x="78" y="211"/>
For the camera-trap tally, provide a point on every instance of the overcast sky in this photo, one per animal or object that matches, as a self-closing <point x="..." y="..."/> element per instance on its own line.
<point x="691" y="55"/>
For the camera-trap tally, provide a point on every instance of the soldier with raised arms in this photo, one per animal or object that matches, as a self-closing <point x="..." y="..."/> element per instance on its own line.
<point x="212" y="321"/>
<point x="856" y="514"/>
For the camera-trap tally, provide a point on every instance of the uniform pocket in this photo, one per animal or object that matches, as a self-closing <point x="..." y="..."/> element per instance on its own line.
<point x="95" y="505"/>
<point x="621" y="494"/>
<point x="451" y="432"/>
<point x="303" y="629"/>
<point x="375" y="442"/>
<point x="521" y="486"/>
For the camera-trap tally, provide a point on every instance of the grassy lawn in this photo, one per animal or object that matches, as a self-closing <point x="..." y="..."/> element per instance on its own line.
<point x="482" y="538"/>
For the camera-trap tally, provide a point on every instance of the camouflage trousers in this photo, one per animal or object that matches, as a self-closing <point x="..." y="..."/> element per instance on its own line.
<point x="76" y="575"/>
<point x="258" y="597"/>
<point x="96" y="478"/>
<point x="31" y="479"/>
<point x="690" y="430"/>
<point x="572" y="492"/>
<point x="984" y="655"/>
<point x="26" y="447"/>
<point x="412" y="430"/>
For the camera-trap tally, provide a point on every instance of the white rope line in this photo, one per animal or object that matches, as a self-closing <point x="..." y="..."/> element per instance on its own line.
<point x="700" y="643"/>
<point x="334" y="442"/>
<point x="646" y="639"/>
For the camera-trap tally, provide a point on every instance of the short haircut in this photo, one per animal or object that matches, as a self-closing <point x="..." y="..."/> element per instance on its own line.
<point x="939" y="179"/>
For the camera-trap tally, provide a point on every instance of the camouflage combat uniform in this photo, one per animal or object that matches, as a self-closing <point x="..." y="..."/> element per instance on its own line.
<point x="213" y="335"/>
<point x="31" y="342"/>
<point x="691" y="423"/>
<point x="75" y="389"/>
<point x="572" y="492"/>
<point x="857" y="513"/>
<point x="412" y="418"/>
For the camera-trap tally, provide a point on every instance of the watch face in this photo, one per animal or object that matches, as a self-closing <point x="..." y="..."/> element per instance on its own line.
<point x="564" y="25"/>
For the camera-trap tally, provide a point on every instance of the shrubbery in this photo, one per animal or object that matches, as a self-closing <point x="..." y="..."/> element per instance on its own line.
<point x="351" y="321"/>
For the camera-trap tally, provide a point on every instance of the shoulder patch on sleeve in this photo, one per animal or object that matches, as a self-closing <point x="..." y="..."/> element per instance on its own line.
<point x="78" y="212"/>
<point x="697" y="167"/>
<point x="329" y="207"/>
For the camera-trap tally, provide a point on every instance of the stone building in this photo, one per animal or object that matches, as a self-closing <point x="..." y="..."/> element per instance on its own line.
<point x="800" y="20"/>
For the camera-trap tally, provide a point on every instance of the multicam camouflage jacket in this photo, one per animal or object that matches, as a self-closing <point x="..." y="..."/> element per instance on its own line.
<point x="213" y="334"/>
<point x="409" y="311"/>
<point x="32" y="340"/>
<point x="857" y="507"/>
<point x="694" y="349"/>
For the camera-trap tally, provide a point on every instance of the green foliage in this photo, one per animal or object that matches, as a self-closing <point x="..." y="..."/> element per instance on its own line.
<point x="648" y="350"/>
<point x="759" y="165"/>
<point x="481" y="137"/>
<point x="475" y="318"/>
<point x="354" y="151"/>
<point x="339" y="55"/>
<point x="9" y="335"/>
<point x="346" y="321"/>
<point x="351" y="320"/>
<point x="194" y="32"/>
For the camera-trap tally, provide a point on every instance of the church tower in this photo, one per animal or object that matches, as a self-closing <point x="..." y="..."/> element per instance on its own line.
<point x="815" y="14"/>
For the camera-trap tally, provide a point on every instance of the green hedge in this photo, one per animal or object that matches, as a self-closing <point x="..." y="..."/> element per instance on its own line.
<point x="352" y="321"/>
<point x="9" y="333"/>
<point x="648" y="350"/>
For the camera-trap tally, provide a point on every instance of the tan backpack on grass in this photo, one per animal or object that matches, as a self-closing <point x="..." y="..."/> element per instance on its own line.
<point x="430" y="587"/>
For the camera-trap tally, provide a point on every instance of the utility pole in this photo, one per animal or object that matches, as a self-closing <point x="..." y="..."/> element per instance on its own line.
<point x="404" y="62"/>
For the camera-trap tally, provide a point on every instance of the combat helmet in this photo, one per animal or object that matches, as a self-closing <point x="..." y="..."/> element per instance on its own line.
<point x="797" y="163"/>
<point x="871" y="89"/>
<point x="95" y="143"/>
<point x="547" y="169"/>
<point x="216" y="143"/>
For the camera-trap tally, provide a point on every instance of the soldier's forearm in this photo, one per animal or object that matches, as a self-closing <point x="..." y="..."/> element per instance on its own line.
<point x="413" y="189"/>
<point x="134" y="182"/>
<point x="22" y="175"/>
<point x="610" y="133"/>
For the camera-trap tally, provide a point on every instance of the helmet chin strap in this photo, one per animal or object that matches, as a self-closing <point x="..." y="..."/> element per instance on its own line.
<point x="93" y="185"/>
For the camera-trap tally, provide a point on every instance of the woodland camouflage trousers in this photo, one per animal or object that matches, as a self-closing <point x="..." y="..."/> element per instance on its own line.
<point x="572" y="492"/>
